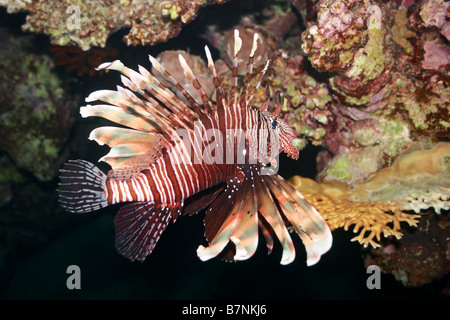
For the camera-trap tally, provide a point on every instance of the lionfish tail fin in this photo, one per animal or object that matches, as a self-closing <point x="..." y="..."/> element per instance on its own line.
<point x="82" y="187"/>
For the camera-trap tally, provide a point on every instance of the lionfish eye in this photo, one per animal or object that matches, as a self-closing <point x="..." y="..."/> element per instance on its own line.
<point x="274" y="124"/>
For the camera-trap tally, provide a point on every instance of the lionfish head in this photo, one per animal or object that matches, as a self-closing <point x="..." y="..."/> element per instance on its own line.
<point x="280" y="129"/>
<point x="283" y="132"/>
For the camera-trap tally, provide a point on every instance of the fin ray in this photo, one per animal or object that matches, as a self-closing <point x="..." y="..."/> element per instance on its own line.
<point x="307" y="222"/>
<point x="82" y="187"/>
<point x="138" y="227"/>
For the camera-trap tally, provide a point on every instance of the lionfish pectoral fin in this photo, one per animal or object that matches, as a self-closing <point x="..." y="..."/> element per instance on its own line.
<point x="234" y="218"/>
<point x="138" y="227"/>
<point x="223" y="220"/>
<point x="236" y="237"/>
<point x="218" y="243"/>
<point x="306" y="221"/>
<point x="245" y="236"/>
<point x="271" y="214"/>
<point x="268" y="203"/>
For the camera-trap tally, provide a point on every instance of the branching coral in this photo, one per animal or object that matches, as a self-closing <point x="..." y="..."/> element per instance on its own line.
<point x="370" y="218"/>
<point x="88" y="23"/>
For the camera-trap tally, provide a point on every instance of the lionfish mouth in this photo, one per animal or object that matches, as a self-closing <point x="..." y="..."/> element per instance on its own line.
<point x="291" y="151"/>
<point x="287" y="146"/>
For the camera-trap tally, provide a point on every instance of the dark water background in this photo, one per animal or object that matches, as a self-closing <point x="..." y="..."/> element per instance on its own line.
<point x="173" y="270"/>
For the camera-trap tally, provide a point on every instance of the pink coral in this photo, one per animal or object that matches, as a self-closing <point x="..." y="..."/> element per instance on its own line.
<point x="437" y="55"/>
<point x="434" y="14"/>
<point x="335" y="20"/>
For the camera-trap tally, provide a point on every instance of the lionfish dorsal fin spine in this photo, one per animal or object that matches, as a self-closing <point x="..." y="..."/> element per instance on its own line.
<point x="195" y="109"/>
<point x="243" y="99"/>
<point x="191" y="76"/>
<point x="129" y="93"/>
<point x="140" y="83"/>
<point x="220" y="95"/>
<point x="135" y="103"/>
<point x="237" y="48"/>
<point x="187" y="112"/>
<point x="254" y="44"/>
<point x="161" y="92"/>
<point x="166" y="119"/>
<point x="258" y="83"/>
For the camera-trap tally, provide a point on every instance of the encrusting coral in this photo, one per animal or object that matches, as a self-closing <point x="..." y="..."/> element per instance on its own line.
<point x="416" y="181"/>
<point x="36" y="109"/>
<point x="89" y="23"/>
<point x="387" y="65"/>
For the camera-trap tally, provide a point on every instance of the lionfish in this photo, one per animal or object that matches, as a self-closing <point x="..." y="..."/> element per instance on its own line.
<point x="166" y="162"/>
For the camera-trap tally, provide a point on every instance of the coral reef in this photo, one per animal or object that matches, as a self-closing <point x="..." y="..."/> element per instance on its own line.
<point x="419" y="182"/>
<point x="388" y="67"/>
<point x="371" y="219"/>
<point x="36" y="111"/>
<point x="89" y="23"/>
<point x="376" y="101"/>
<point x="421" y="257"/>
<point x="416" y="181"/>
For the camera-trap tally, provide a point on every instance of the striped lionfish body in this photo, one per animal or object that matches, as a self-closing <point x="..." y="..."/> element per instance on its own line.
<point x="174" y="156"/>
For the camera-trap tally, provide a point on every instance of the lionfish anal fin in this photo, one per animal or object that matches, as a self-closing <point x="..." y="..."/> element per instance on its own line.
<point x="138" y="227"/>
